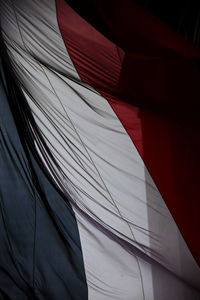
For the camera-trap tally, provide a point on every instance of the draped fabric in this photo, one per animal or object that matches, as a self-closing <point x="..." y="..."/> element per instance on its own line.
<point x="85" y="206"/>
<point x="38" y="228"/>
<point x="157" y="73"/>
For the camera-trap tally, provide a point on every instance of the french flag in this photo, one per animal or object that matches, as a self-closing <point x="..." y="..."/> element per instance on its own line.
<point x="99" y="180"/>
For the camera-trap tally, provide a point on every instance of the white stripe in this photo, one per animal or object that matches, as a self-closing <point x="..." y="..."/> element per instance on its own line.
<point x="99" y="160"/>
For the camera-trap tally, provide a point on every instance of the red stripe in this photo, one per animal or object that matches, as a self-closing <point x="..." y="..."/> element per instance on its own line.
<point x="154" y="73"/>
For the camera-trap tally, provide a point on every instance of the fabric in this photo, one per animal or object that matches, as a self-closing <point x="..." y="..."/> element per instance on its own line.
<point x="156" y="72"/>
<point x="87" y="220"/>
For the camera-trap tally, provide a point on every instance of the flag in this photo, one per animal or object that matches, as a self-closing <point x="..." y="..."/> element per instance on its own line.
<point x="99" y="154"/>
